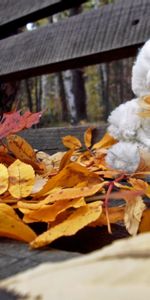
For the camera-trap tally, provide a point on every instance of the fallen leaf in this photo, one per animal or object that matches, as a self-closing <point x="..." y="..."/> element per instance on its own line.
<point x="115" y="214"/>
<point x="69" y="176"/>
<point x="48" y="213"/>
<point x="133" y="214"/>
<point x="76" y="221"/>
<point x="88" y="137"/>
<point x="20" y="148"/>
<point x="12" y="226"/>
<point x="145" y="222"/>
<point x="3" y="179"/>
<point x="21" y="179"/>
<point x="106" y="142"/>
<point x="71" y="142"/>
<point x="66" y="159"/>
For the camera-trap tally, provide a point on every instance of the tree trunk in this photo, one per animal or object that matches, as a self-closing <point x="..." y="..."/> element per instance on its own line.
<point x="29" y="96"/>
<point x="104" y="75"/>
<point x="65" y="112"/>
<point x="70" y="97"/>
<point x="8" y="95"/>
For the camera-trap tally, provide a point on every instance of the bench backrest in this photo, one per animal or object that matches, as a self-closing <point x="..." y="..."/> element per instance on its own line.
<point x="111" y="32"/>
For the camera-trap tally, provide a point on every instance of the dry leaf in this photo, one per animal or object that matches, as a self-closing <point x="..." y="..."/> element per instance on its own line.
<point x="76" y="221"/>
<point x="48" y="213"/>
<point x="105" y="142"/>
<point x="11" y="226"/>
<point x="71" y="142"/>
<point x="66" y="159"/>
<point x="3" y="179"/>
<point x="88" y="137"/>
<point x="20" y="148"/>
<point x="69" y="176"/>
<point x="21" y="179"/>
<point x="115" y="214"/>
<point x="133" y="214"/>
<point x="145" y="222"/>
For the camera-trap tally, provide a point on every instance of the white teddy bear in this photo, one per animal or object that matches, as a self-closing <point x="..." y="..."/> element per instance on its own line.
<point x="130" y="122"/>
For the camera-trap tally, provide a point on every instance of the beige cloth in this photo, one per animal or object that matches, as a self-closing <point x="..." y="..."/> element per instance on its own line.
<point x="117" y="272"/>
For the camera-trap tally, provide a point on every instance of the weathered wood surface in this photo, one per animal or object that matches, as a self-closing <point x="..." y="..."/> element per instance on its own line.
<point x="17" y="13"/>
<point x="111" y="32"/>
<point x="16" y="257"/>
<point x="119" y="271"/>
<point x="50" y="139"/>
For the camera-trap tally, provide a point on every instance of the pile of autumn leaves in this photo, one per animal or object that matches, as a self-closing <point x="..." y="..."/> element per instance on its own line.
<point x="68" y="190"/>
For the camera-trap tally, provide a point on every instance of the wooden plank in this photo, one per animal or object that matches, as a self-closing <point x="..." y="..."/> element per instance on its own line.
<point x="50" y="139"/>
<point x="112" y="32"/>
<point x="17" y="13"/>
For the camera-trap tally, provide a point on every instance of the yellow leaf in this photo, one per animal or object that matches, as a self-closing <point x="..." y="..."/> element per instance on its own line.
<point x="20" y="148"/>
<point x="66" y="159"/>
<point x="64" y="194"/>
<point x="11" y="225"/>
<point x="3" y="179"/>
<point x="69" y="176"/>
<point x="48" y="213"/>
<point x="76" y="221"/>
<point x="21" y="179"/>
<point x="88" y="137"/>
<point x="71" y="142"/>
<point x="106" y="142"/>
<point x="145" y="222"/>
<point x="133" y="213"/>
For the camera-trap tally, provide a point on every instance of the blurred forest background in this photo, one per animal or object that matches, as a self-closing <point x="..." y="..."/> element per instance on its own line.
<point x="77" y="96"/>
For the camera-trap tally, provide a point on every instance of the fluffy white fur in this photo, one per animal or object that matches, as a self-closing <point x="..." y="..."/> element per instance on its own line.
<point x="125" y="124"/>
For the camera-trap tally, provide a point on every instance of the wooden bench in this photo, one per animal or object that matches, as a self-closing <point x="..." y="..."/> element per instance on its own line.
<point x="111" y="32"/>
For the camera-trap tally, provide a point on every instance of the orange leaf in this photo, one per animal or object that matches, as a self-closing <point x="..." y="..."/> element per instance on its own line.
<point x="88" y="137"/>
<point x="11" y="225"/>
<point x="20" y="148"/>
<point x="76" y="221"/>
<point x="106" y="142"/>
<point x="66" y="159"/>
<point x="21" y="179"/>
<point x="145" y="222"/>
<point x="71" y="175"/>
<point x="3" y="179"/>
<point x="64" y="194"/>
<point x="71" y="142"/>
<point x="48" y="213"/>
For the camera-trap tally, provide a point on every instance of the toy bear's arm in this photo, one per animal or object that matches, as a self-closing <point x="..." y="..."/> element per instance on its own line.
<point x="124" y="121"/>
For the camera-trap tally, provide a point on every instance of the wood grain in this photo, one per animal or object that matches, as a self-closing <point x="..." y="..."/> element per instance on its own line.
<point x="17" y="13"/>
<point x="50" y="139"/>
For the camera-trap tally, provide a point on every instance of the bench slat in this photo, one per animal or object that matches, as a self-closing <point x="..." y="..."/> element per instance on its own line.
<point x="50" y="139"/>
<point x="17" y="13"/>
<point x="112" y="32"/>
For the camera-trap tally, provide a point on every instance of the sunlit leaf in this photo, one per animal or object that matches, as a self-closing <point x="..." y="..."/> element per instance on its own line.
<point x="76" y="221"/>
<point x="12" y="226"/>
<point x="88" y="137"/>
<point x="105" y="142"/>
<point x="71" y="142"/>
<point x="48" y="213"/>
<point x="21" y="179"/>
<point x="3" y="179"/>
